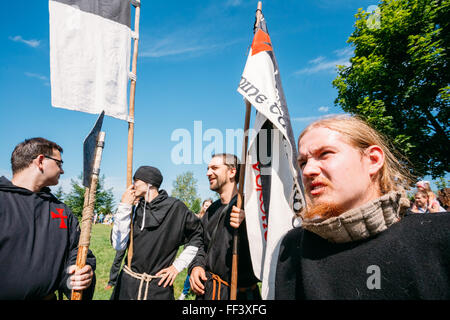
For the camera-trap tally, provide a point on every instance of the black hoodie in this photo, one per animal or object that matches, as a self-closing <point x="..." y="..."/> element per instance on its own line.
<point x="38" y="242"/>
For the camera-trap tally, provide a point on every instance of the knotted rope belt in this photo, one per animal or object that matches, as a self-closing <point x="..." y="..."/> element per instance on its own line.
<point x="217" y="281"/>
<point x="144" y="277"/>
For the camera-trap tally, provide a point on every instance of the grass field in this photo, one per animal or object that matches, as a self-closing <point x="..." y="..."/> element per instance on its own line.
<point x="104" y="252"/>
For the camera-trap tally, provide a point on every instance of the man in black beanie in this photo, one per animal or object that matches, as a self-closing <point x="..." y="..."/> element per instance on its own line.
<point x="161" y="224"/>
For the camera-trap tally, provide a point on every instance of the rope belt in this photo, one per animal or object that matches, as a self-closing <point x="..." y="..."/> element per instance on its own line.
<point x="144" y="277"/>
<point x="217" y="281"/>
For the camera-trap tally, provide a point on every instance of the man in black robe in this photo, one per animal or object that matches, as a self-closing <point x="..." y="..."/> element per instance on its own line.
<point x="355" y="242"/>
<point x="211" y="268"/>
<point x="38" y="233"/>
<point x="161" y="224"/>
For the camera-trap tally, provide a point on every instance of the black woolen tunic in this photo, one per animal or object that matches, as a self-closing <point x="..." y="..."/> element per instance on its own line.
<point x="216" y="254"/>
<point x="38" y="241"/>
<point x="168" y="225"/>
<point x="413" y="257"/>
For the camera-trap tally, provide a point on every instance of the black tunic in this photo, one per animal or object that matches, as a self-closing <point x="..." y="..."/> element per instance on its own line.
<point x="412" y="257"/>
<point x="216" y="256"/>
<point x="168" y="225"/>
<point x="38" y="242"/>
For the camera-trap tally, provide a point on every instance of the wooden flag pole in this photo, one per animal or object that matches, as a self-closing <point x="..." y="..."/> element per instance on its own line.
<point x="137" y="5"/>
<point x="88" y="212"/>
<point x="240" y="199"/>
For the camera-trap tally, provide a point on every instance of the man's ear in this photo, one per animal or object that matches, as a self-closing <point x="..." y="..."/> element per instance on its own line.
<point x="375" y="157"/>
<point x="39" y="162"/>
<point x="233" y="172"/>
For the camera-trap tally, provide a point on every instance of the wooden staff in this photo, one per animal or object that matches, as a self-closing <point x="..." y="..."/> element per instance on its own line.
<point x="88" y="212"/>
<point x="137" y="14"/>
<point x="240" y="202"/>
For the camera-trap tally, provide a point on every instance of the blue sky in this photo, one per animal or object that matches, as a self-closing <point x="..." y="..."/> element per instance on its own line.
<point x="191" y="56"/>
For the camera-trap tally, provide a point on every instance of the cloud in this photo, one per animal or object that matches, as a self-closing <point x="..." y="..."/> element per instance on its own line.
<point x="322" y="64"/>
<point x="323" y="109"/>
<point x="44" y="79"/>
<point x="305" y="119"/>
<point x="31" y="43"/>
<point x="233" y="3"/>
<point x="178" y="44"/>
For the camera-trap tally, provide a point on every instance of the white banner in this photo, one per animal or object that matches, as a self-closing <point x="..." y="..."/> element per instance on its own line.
<point x="90" y="56"/>
<point x="273" y="189"/>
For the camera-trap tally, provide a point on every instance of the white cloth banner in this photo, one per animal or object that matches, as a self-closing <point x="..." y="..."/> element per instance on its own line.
<point x="273" y="190"/>
<point x="89" y="58"/>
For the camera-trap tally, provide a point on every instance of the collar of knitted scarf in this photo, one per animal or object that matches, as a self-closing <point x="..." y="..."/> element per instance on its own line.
<point x="363" y="222"/>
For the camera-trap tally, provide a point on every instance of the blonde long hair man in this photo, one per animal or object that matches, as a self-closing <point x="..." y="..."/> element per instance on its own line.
<point x="354" y="242"/>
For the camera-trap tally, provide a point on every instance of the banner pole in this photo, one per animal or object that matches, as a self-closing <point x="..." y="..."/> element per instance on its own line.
<point x="137" y="5"/>
<point x="240" y="199"/>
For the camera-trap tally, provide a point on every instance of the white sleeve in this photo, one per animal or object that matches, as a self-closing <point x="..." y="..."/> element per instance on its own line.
<point x="121" y="228"/>
<point x="185" y="258"/>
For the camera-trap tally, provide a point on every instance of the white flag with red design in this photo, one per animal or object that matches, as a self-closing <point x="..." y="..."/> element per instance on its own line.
<point x="273" y="189"/>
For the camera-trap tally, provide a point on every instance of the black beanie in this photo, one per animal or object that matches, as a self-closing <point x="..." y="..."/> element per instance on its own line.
<point x="150" y="175"/>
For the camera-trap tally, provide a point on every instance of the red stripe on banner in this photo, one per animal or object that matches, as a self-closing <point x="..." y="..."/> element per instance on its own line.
<point x="261" y="200"/>
<point x="261" y="42"/>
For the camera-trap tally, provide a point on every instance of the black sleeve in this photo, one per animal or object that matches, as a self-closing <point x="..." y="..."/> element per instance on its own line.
<point x="287" y="265"/>
<point x="193" y="230"/>
<point x="74" y="236"/>
<point x="200" y="258"/>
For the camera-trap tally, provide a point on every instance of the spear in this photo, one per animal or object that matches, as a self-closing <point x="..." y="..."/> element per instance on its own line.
<point x="88" y="212"/>
<point x="240" y="202"/>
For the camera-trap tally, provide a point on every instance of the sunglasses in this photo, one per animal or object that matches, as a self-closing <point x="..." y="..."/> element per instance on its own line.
<point x="58" y="162"/>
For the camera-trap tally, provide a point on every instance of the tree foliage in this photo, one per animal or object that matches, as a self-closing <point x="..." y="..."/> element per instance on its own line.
<point x="104" y="199"/>
<point x="185" y="189"/>
<point x="398" y="79"/>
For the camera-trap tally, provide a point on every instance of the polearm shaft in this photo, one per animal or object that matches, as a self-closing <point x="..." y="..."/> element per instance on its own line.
<point x="240" y="201"/>
<point x="88" y="212"/>
<point x="137" y="5"/>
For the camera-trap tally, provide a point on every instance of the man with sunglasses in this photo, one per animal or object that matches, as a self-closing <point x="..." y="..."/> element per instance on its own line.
<point x="38" y="233"/>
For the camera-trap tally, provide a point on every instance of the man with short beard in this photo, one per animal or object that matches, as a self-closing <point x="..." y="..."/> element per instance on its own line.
<point x="355" y="242"/>
<point x="210" y="271"/>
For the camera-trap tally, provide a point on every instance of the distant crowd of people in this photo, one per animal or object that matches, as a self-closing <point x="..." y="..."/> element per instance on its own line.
<point x="426" y="201"/>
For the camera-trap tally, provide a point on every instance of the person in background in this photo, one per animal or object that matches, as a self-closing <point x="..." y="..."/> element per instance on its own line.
<point x="434" y="205"/>
<point x="421" y="203"/>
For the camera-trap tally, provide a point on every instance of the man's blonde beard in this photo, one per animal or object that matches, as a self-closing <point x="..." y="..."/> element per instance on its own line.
<point x="323" y="211"/>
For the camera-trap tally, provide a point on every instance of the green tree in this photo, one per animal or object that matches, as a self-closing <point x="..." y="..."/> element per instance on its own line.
<point x="104" y="199"/>
<point x="398" y="79"/>
<point x="441" y="183"/>
<point x="185" y="189"/>
<point x="59" y="194"/>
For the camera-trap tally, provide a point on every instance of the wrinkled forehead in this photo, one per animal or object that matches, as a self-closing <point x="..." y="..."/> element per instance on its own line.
<point x="318" y="137"/>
